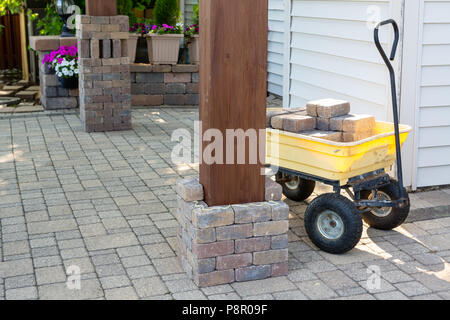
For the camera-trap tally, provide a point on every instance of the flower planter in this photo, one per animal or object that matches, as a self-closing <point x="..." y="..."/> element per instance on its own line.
<point x="163" y="48"/>
<point x="68" y="83"/>
<point x="132" y="46"/>
<point x="194" y="49"/>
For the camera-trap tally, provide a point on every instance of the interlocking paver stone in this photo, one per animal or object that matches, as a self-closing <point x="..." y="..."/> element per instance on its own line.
<point x="106" y="203"/>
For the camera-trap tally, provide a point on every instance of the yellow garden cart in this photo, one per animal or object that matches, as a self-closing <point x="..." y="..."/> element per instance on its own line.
<point x="332" y="221"/>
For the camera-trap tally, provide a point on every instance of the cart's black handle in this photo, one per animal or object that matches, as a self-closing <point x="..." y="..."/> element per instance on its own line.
<point x="394" y="98"/>
<point x="394" y="46"/>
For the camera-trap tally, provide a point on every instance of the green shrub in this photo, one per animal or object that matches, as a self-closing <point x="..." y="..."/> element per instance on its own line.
<point x="51" y="24"/>
<point x="166" y="11"/>
<point x="195" y="17"/>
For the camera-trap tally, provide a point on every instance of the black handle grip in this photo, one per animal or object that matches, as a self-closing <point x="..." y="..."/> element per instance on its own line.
<point x="394" y="46"/>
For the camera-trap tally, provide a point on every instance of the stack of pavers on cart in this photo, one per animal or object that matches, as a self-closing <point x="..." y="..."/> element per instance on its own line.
<point x="327" y="119"/>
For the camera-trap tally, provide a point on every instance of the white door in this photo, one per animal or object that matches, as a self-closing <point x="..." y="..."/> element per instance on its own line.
<point x="426" y="91"/>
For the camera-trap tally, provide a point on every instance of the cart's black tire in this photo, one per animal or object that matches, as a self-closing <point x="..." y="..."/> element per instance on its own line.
<point x="300" y="190"/>
<point x="391" y="218"/>
<point x="350" y="217"/>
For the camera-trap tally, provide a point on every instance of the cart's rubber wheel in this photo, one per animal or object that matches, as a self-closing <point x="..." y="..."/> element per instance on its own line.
<point x="297" y="189"/>
<point x="385" y="218"/>
<point x="333" y="223"/>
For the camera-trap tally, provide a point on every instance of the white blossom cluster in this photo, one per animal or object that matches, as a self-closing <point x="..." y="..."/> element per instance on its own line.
<point x="66" y="69"/>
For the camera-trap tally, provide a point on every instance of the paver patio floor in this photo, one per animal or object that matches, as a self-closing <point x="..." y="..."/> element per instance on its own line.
<point x="104" y="203"/>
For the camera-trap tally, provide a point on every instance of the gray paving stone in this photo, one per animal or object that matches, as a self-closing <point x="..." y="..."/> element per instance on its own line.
<point x="220" y="289"/>
<point x="336" y="280"/>
<point x="167" y="265"/>
<point x="224" y="296"/>
<point x="115" y="282"/>
<point x="105" y="259"/>
<point x="20" y="281"/>
<point x="124" y="293"/>
<point x="27" y="293"/>
<point x="316" y="289"/>
<point x="15" y="268"/>
<point x="290" y="295"/>
<point x="50" y="275"/>
<point x="141" y="272"/>
<point x="110" y="270"/>
<point x="263" y="286"/>
<point x="146" y="287"/>
<point x="135" y="261"/>
<point x="189" y="295"/>
<point x="180" y="285"/>
<point x="412" y="288"/>
<point x="391" y="295"/>
<point x="111" y="241"/>
<point x="47" y="261"/>
<point x="90" y="289"/>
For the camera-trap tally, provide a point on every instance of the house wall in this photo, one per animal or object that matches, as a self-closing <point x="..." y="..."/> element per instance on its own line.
<point x="275" y="46"/>
<point x="333" y="55"/>
<point x="189" y="11"/>
<point x="431" y="88"/>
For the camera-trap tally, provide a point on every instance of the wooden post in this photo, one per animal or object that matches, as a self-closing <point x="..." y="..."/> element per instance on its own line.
<point x="233" y="91"/>
<point x="101" y="7"/>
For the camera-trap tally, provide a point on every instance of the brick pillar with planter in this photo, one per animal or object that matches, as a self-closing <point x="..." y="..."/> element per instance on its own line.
<point x="233" y="225"/>
<point x="105" y="81"/>
<point x="52" y="95"/>
<point x="225" y="244"/>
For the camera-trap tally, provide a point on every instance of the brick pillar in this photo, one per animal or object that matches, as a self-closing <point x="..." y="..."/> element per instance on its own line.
<point x="105" y="82"/>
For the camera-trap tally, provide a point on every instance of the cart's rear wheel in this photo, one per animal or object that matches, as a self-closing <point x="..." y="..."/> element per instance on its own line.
<point x="333" y="223"/>
<point x="296" y="188"/>
<point x="385" y="218"/>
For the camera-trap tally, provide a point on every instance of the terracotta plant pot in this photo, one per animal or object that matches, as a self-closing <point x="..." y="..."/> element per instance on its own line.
<point x="68" y="83"/>
<point x="138" y="13"/>
<point x="194" y="49"/>
<point x="148" y="13"/>
<point x="164" y="48"/>
<point x="132" y="45"/>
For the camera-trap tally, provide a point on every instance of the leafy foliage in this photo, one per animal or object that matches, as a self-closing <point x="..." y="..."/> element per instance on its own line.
<point x="51" y="24"/>
<point x="14" y="7"/>
<point x="195" y="17"/>
<point x="166" y="12"/>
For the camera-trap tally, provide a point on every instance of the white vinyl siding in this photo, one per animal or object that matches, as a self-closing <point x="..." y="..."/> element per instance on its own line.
<point x="189" y="11"/>
<point x="275" y="47"/>
<point x="433" y="145"/>
<point x="333" y="54"/>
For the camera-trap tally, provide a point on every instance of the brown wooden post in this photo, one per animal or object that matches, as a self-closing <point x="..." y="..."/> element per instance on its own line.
<point x="101" y="7"/>
<point x="233" y="90"/>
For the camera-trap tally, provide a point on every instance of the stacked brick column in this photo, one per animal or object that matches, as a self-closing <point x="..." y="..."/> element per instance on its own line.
<point x="52" y="95"/>
<point x="105" y="92"/>
<point x="224" y="244"/>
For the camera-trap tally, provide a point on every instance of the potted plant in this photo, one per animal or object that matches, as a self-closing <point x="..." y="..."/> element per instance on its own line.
<point x="64" y="63"/>
<point x="163" y="38"/>
<point x="192" y="38"/>
<point x="136" y="31"/>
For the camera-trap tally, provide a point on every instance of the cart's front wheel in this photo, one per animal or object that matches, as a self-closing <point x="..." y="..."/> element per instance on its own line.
<point x="333" y="223"/>
<point x="385" y="218"/>
<point x="296" y="188"/>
